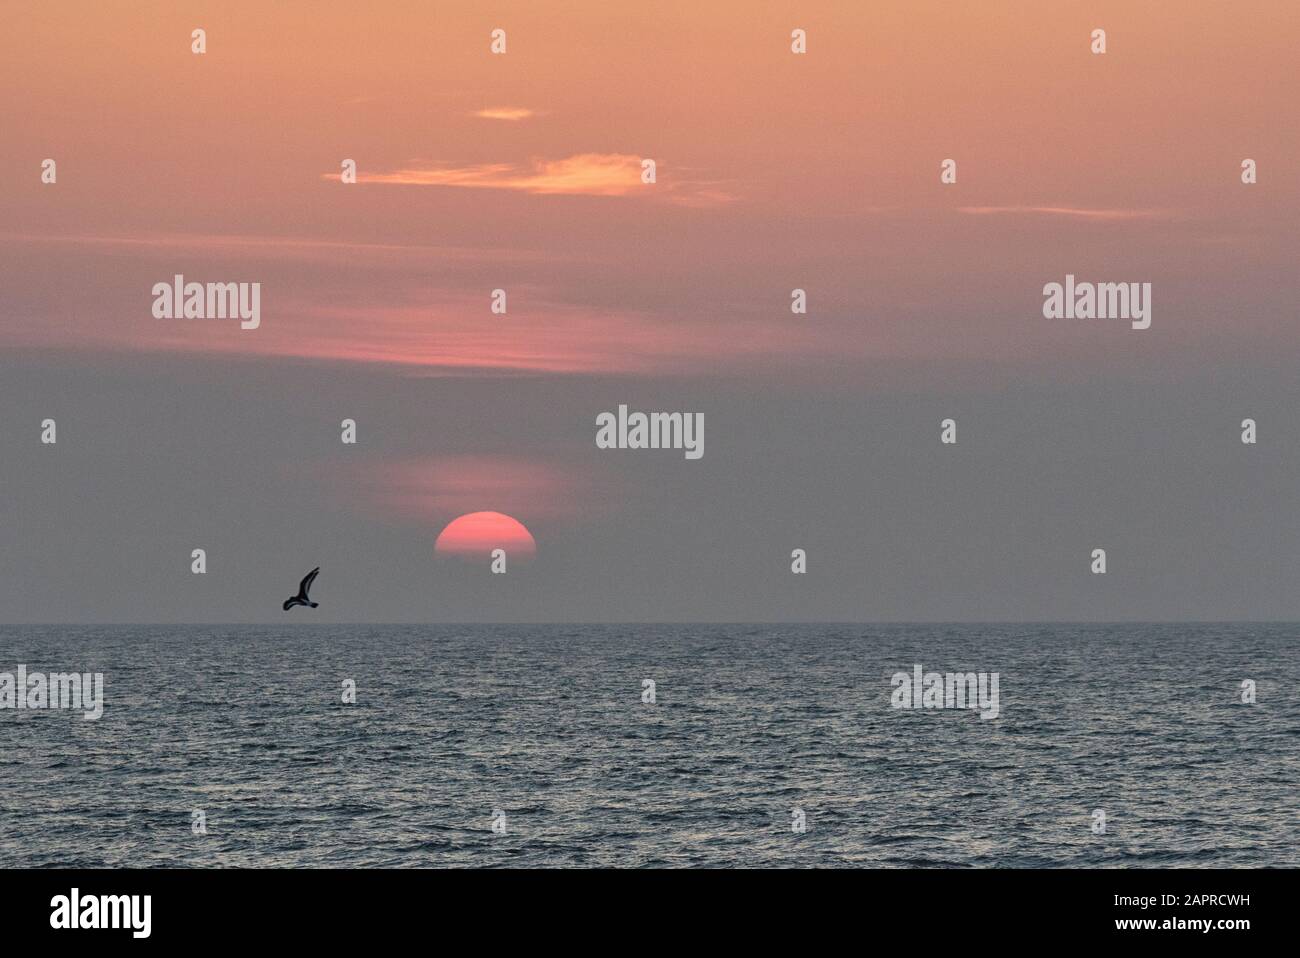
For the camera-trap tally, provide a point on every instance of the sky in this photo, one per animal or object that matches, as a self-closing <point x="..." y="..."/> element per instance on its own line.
<point x="773" y="171"/>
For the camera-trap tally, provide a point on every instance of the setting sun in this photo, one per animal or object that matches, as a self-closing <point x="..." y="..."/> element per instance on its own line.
<point x="476" y="534"/>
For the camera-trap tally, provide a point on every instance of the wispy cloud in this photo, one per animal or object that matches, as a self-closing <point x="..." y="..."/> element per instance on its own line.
<point x="454" y="338"/>
<point x="269" y="247"/>
<point x="510" y="113"/>
<point x="1069" y="211"/>
<point x="404" y="319"/>
<point x="583" y="174"/>
<point x="586" y="174"/>
<point x="451" y="338"/>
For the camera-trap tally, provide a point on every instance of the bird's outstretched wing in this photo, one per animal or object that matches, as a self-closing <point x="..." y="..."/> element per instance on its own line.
<point x="307" y="580"/>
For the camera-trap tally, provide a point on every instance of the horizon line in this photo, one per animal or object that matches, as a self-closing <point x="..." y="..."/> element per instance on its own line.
<point x="613" y="622"/>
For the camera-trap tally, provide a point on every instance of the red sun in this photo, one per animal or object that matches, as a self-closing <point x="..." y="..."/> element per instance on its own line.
<point x="476" y="534"/>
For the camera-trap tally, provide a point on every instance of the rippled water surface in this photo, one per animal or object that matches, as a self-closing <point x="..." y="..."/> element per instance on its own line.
<point x="547" y="724"/>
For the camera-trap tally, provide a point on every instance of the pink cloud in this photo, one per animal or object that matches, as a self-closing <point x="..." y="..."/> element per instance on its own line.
<point x="589" y="174"/>
<point x="509" y="113"/>
<point x="583" y="174"/>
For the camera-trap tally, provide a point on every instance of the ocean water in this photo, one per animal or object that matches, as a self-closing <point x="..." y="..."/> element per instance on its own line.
<point x="547" y="724"/>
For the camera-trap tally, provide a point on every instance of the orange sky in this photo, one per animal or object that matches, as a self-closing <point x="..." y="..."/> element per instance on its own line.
<point x="774" y="171"/>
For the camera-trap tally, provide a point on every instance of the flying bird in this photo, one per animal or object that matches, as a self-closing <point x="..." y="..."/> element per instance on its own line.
<point x="301" y="598"/>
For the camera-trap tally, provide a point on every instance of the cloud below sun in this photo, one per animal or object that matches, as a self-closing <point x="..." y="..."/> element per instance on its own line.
<point x="432" y="491"/>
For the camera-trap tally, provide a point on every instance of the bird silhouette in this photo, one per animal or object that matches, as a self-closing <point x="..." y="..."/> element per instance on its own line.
<point x="301" y="598"/>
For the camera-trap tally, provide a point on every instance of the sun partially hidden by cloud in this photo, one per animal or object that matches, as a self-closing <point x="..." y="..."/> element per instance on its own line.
<point x="510" y="113"/>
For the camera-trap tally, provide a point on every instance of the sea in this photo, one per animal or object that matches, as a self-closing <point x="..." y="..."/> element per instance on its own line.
<point x="655" y="746"/>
